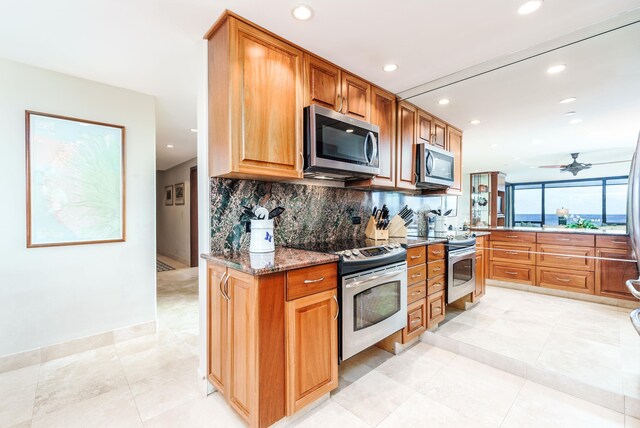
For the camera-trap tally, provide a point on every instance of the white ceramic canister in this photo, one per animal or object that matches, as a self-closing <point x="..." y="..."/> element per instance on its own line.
<point x="262" y="240"/>
<point x="441" y="225"/>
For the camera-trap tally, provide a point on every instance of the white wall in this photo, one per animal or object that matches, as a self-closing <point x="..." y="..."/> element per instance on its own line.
<point x="173" y="234"/>
<point x="51" y="295"/>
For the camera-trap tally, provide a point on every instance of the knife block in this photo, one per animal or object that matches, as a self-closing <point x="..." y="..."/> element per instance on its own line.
<point x="373" y="233"/>
<point x="396" y="228"/>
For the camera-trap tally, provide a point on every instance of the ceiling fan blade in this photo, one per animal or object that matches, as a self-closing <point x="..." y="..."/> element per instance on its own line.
<point x="607" y="163"/>
<point x="552" y="166"/>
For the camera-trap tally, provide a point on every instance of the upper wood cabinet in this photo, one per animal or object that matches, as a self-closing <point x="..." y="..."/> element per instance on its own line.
<point x="322" y="83"/>
<point x="256" y="101"/>
<point x="383" y="114"/>
<point x="356" y="97"/>
<point x="406" y="146"/>
<point x="455" y="147"/>
<point x="424" y="133"/>
<point x="440" y="136"/>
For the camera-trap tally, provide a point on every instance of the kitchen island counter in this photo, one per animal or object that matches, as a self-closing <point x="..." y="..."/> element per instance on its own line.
<point x="603" y="231"/>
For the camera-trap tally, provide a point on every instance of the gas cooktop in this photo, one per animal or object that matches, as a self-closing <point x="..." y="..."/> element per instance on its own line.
<point x="354" y="250"/>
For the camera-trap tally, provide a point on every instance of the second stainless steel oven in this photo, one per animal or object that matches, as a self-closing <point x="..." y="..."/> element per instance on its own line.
<point x="461" y="268"/>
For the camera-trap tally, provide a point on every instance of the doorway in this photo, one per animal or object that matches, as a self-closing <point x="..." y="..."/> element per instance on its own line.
<point x="193" y="215"/>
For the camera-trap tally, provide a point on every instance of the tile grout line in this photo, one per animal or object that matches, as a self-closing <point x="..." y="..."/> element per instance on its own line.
<point x="129" y="385"/>
<point x="514" y="401"/>
<point x="35" y="395"/>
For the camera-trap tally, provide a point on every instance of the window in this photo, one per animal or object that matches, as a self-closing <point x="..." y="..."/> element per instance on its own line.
<point x="603" y="200"/>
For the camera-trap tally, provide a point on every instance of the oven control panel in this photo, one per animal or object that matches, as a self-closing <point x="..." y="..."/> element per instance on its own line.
<point x="371" y="253"/>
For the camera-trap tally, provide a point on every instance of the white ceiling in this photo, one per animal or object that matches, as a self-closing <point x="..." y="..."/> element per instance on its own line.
<point x="152" y="46"/>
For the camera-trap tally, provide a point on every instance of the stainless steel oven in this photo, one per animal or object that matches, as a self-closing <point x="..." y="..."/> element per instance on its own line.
<point x="374" y="306"/>
<point x="461" y="278"/>
<point x="337" y="146"/>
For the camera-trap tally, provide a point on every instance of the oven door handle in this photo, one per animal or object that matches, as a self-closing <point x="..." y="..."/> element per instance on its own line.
<point x="373" y="278"/>
<point x="461" y="254"/>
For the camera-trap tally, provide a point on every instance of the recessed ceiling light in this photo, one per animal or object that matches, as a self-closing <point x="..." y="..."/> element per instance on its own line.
<point x="302" y="12"/>
<point x="516" y="158"/>
<point x="529" y="7"/>
<point x="574" y="121"/>
<point x="444" y="101"/>
<point x="554" y="69"/>
<point x="570" y="113"/>
<point x="193" y="130"/>
<point x="494" y="145"/>
<point x="170" y="146"/>
<point x="475" y="122"/>
<point x="390" y="67"/>
<point x="349" y="130"/>
<point x="568" y="100"/>
<point x="532" y="167"/>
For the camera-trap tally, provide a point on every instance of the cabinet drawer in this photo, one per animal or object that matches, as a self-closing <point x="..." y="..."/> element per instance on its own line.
<point x="566" y="279"/>
<point x="435" y="252"/>
<point x="416" y="292"/>
<point x="436" y="284"/>
<point x="416" y="274"/>
<point x="435" y="308"/>
<point x="514" y="273"/>
<point x="513" y="253"/>
<point x="416" y="320"/>
<point x="435" y="268"/>
<point x="579" y="258"/>
<point x="416" y="255"/>
<point x="311" y="280"/>
<point x="513" y="236"/>
<point x="575" y="239"/>
<point x="620" y="242"/>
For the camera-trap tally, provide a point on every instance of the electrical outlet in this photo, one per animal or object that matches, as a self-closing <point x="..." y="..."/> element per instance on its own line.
<point x="356" y="219"/>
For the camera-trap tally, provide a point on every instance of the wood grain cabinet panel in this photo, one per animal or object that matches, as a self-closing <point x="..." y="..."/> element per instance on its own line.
<point x="612" y="271"/>
<point x="506" y="252"/>
<point x="310" y="280"/>
<point x="439" y="135"/>
<point x="383" y="114"/>
<point x="435" y="308"/>
<point x="217" y="318"/>
<point x="416" y="320"/>
<point x="436" y="284"/>
<point x="424" y="132"/>
<point x="416" y="255"/>
<point x="322" y="83"/>
<point x="454" y="145"/>
<point x="406" y="146"/>
<point x="417" y="274"/>
<point x="513" y="273"/>
<point x="512" y="236"/>
<point x="580" y="258"/>
<point x="435" y="252"/>
<point x="435" y="268"/>
<point x="356" y="97"/>
<point x="416" y="292"/>
<point x="480" y="278"/>
<point x="312" y="348"/>
<point x="619" y="242"/>
<point x="572" y="239"/>
<point x="562" y="279"/>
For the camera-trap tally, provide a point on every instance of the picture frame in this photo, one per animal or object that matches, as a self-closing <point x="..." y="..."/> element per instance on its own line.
<point x="179" y="193"/>
<point x="75" y="181"/>
<point x="168" y="195"/>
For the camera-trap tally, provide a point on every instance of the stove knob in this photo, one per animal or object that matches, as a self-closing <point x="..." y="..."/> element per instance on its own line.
<point x="348" y="253"/>
<point x="355" y="252"/>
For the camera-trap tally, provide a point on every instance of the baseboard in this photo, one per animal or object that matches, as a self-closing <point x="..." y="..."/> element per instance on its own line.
<point x="63" y="349"/>
<point x="174" y="257"/>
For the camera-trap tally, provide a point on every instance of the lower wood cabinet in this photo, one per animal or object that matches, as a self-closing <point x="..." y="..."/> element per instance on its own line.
<point x="435" y="308"/>
<point x="564" y="279"/>
<point x="416" y="292"/>
<point x="523" y="274"/>
<point x="480" y="278"/>
<point x="312" y="348"/>
<point x="612" y="272"/>
<point x="416" y="320"/>
<point x="218" y="321"/>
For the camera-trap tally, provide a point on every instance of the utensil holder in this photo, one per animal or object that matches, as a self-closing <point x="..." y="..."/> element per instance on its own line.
<point x="372" y="232"/>
<point x="396" y="228"/>
<point x="261" y="236"/>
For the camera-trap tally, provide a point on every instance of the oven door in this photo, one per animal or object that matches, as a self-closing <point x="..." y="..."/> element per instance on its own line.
<point x="374" y="306"/>
<point x="335" y="141"/>
<point x="462" y="274"/>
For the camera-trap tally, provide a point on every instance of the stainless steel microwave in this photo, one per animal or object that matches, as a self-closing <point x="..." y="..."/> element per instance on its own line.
<point x="337" y="146"/>
<point x="435" y="167"/>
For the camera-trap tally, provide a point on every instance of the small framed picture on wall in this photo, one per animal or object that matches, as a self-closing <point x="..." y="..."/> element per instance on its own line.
<point x="168" y="195"/>
<point x="179" y="193"/>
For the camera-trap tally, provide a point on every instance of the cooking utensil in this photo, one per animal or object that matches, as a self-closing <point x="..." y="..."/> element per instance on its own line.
<point x="408" y="223"/>
<point x="261" y="212"/>
<point x="375" y="210"/>
<point x="249" y="212"/>
<point x="448" y="212"/>
<point x="275" y="212"/>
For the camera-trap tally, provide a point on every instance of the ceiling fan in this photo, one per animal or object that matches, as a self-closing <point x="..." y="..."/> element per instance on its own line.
<point x="575" y="167"/>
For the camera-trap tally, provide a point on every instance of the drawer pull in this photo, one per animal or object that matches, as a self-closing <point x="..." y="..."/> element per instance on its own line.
<point x="562" y="279"/>
<point x="415" y="257"/>
<point x="417" y="320"/>
<point x="619" y="242"/>
<point x="437" y="252"/>
<point x="564" y="239"/>
<point x="311" y="281"/>
<point x="415" y="293"/>
<point x="511" y="252"/>
<point x="437" y="269"/>
<point x="565" y="257"/>
<point x="511" y="236"/>
<point x="415" y="275"/>
<point x="510" y="272"/>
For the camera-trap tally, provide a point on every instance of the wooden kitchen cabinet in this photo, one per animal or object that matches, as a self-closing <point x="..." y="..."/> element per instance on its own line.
<point x="425" y="131"/>
<point x="416" y="320"/>
<point x="356" y="97"/>
<point x="255" y="103"/>
<point x="406" y="146"/>
<point x="454" y="145"/>
<point x="435" y="309"/>
<point x="480" y="278"/>
<point x="217" y="327"/>
<point x="611" y="275"/>
<point x="312" y="348"/>
<point x="383" y="114"/>
<point x="440" y="136"/>
<point x="565" y="279"/>
<point x="322" y="83"/>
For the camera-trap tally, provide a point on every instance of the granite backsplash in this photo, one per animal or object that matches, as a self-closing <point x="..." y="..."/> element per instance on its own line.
<point x="312" y="212"/>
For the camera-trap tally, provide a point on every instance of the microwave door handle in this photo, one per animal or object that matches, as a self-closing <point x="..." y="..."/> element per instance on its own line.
<point x="429" y="163"/>
<point x="370" y="137"/>
<point x="366" y="147"/>
<point x="374" y="154"/>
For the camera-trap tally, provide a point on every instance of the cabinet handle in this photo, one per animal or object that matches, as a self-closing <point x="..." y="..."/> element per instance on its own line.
<point x="562" y="279"/>
<point x="415" y="293"/>
<point x="415" y="275"/>
<point x="220" y="284"/>
<point x="415" y="257"/>
<point x="437" y="269"/>
<point x="565" y="257"/>
<point x="564" y="239"/>
<point x="337" y="307"/>
<point x="436" y="252"/>
<point x="226" y="288"/>
<point x="346" y="105"/>
<point x="511" y="236"/>
<point x="416" y="320"/>
<point x="311" y="281"/>
<point x="510" y="272"/>
<point x="511" y="252"/>
<point x="301" y="161"/>
<point x="619" y="242"/>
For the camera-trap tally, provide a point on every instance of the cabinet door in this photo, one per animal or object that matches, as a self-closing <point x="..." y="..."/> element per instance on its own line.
<point x="416" y="320"/>
<point x="383" y="114"/>
<point x="322" y="83"/>
<point x="406" y="146"/>
<point x="425" y="128"/>
<point x="242" y="388"/>
<point x="356" y="97"/>
<point x="217" y="346"/>
<point x="266" y="104"/>
<point x="439" y="135"/>
<point x="480" y="283"/>
<point x="312" y="348"/>
<point x="611" y="275"/>
<point x="455" y="147"/>
<point x="435" y="308"/>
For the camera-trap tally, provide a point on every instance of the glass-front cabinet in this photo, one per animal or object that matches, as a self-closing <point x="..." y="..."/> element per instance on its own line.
<point x="487" y="199"/>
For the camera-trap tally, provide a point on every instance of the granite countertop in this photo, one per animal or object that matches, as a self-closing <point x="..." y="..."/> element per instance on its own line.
<point x="555" y="230"/>
<point x="281" y="259"/>
<point x="417" y="241"/>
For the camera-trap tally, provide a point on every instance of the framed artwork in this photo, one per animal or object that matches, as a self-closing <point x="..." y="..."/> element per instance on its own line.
<point x="179" y="197"/>
<point x="75" y="181"/>
<point x="168" y="195"/>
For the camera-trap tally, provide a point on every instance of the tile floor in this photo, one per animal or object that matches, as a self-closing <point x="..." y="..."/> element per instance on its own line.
<point x="151" y="381"/>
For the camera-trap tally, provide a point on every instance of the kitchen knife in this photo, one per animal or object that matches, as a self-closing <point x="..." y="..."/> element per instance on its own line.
<point x="447" y="213"/>
<point x="408" y="223"/>
<point x="403" y="211"/>
<point x="275" y="212"/>
<point x="375" y="210"/>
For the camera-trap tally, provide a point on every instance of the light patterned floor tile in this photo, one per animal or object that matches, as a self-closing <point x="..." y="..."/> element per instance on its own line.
<point x="17" y="395"/>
